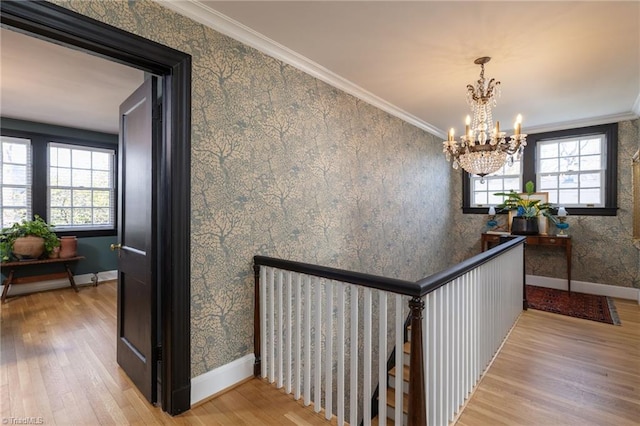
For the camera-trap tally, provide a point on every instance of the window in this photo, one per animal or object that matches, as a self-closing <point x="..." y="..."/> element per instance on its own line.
<point x="81" y="187"/>
<point x="70" y="181"/>
<point x="15" y="158"/>
<point x="577" y="167"/>
<point x="509" y="177"/>
<point x="572" y="170"/>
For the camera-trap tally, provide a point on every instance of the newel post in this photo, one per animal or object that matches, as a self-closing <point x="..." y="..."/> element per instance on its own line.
<point x="256" y="320"/>
<point x="417" y="398"/>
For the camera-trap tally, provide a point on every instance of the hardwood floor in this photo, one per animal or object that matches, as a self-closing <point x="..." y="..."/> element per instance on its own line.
<point x="557" y="370"/>
<point x="57" y="363"/>
<point x="58" y="367"/>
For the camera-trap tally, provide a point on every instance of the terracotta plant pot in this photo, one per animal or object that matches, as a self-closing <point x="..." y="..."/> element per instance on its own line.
<point x="28" y="247"/>
<point x="55" y="253"/>
<point x="68" y="247"/>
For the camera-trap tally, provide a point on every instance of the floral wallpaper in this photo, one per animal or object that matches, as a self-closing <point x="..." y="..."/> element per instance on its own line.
<point x="285" y="165"/>
<point x="603" y="250"/>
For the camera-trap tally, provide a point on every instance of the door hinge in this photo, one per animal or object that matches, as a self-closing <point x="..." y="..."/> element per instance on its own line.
<point x="158" y="353"/>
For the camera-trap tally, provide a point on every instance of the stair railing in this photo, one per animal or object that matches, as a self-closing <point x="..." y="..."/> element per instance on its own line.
<point x="314" y="333"/>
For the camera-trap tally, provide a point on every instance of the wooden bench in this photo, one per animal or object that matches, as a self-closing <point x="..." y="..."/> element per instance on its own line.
<point x="26" y="263"/>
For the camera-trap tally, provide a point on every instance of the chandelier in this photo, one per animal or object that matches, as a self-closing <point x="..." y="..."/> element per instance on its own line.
<point x="484" y="149"/>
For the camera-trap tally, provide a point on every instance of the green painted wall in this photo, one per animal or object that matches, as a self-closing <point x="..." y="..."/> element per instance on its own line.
<point x="95" y="249"/>
<point x="99" y="256"/>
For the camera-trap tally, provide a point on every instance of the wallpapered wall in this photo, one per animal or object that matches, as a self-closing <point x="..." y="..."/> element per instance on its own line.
<point x="603" y="250"/>
<point x="286" y="166"/>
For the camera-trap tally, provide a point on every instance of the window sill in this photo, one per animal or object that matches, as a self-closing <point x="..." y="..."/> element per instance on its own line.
<point x="84" y="233"/>
<point x="572" y="211"/>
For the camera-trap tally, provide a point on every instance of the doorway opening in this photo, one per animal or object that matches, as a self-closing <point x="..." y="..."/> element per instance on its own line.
<point x="54" y="23"/>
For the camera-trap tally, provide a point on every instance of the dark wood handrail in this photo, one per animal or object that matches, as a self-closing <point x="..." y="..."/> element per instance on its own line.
<point x="437" y="280"/>
<point x="417" y="400"/>
<point x="408" y="288"/>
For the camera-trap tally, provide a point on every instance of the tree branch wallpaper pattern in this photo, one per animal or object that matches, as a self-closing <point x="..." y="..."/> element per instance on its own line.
<point x="287" y="166"/>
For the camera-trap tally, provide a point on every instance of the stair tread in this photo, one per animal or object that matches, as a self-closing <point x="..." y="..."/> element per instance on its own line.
<point x="405" y="372"/>
<point x="391" y="400"/>
<point x="407" y="348"/>
<point x="375" y="421"/>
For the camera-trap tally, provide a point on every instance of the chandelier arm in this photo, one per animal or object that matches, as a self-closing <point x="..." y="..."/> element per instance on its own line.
<point x="479" y="151"/>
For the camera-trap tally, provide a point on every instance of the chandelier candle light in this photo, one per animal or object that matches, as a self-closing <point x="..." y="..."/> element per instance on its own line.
<point x="481" y="151"/>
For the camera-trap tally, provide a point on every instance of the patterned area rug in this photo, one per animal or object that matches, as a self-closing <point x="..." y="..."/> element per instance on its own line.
<point x="579" y="305"/>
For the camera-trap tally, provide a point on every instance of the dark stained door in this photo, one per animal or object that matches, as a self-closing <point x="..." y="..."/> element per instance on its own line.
<point x="137" y="290"/>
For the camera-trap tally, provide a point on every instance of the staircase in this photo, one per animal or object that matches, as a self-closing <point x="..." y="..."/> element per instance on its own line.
<point x="391" y="391"/>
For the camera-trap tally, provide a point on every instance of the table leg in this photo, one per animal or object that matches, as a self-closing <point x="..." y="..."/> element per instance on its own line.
<point x="71" y="280"/>
<point x="7" y="284"/>
<point x="568" y="248"/>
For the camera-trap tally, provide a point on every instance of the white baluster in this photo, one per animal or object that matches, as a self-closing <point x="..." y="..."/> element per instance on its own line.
<point x="272" y="315"/>
<point x="450" y="349"/>
<point x="307" y="341"/>
<point x="366" y="389"/>
<point x="264" y="285"/>
<point x="317" y="390"/>
<point x="432" y="358"/>
<point x="297" y="355"/>
<point x="457" y="347"/>
<point x="453" y="307"/>
<point x="279" y="327"/>
<point x="287" y="343"/>
<point x="341" y="343"/>
<point x="440" y="366"/>
<point x="328" y="358"/>
<point x="400" y="318"/>
<point x="382" y="356"/>
<point x="353" y="356"/>
<point x="466" y="334"/>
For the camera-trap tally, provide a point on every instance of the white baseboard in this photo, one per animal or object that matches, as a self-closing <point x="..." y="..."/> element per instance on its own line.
<point x="214" y="381"/>
<point x="585" y="287"/>
<point x="84" y="279"/>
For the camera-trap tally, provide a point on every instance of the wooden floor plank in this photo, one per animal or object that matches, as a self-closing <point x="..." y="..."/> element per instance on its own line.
<point x="555" y="369"/>
<point x="57" y="361"/>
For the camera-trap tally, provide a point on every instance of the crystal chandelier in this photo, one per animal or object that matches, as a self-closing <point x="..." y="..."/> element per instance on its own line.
<point x="482" y="151"/>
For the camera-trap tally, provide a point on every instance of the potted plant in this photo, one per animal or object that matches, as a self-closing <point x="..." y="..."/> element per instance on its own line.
<point x="28" y="239"/>
<point x="525" y="222"/>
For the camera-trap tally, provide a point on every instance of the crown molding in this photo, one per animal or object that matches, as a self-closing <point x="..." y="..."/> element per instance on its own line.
<point x="576" y="124"/>
<point x="636" y="106"/>
<point x="223" y="24"/>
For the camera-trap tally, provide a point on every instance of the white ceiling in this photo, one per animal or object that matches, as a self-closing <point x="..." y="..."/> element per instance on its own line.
<point x="48" y="83"/>
<point x="561" y="63"/>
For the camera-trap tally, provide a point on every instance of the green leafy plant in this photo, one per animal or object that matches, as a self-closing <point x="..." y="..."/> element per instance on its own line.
<point x="524" y="205"/>
<point x="36" y="227"/>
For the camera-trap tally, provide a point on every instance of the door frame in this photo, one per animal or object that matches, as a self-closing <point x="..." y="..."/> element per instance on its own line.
<point x="173" y="206"/>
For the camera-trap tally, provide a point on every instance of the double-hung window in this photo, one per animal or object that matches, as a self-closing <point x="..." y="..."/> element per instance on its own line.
<point x="508" y="178"/>
<point x="15" y="158"/>
<point x="81" y="193"/>
<point x="69" y="181"/>
<point x="577" y="167"/>
<point x="572" y="170"/>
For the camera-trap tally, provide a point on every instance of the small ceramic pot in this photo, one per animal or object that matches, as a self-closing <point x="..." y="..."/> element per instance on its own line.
<point x="68" y="247"/>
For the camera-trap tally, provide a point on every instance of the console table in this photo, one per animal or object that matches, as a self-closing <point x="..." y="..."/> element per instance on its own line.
<point x="26" y="263"/>
<point x="538" y="240"/>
